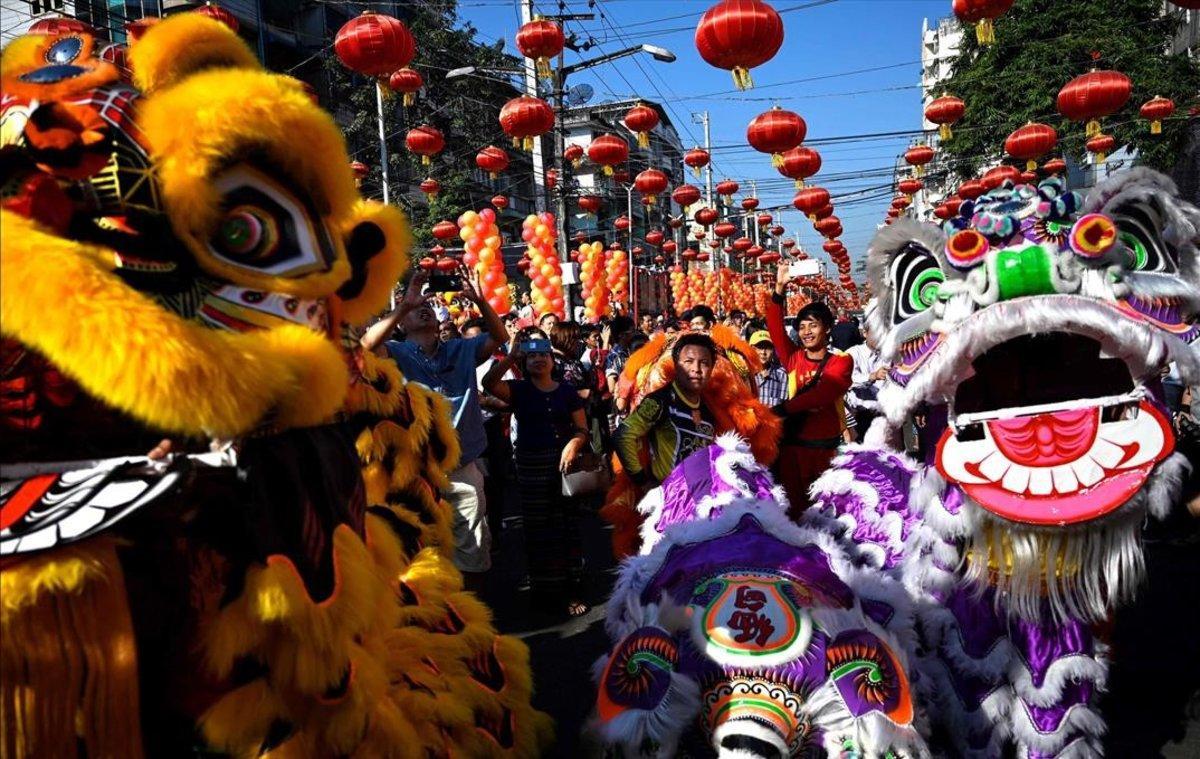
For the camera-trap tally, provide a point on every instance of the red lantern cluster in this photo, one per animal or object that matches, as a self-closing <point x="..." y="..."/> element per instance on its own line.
<point x="540" y="40"/>
<point x="738" y="35"/>
<point x="374" y="44"/>
<point x="945" y="112"/>
<point x="1093" y="96"/>
<point x="1030" y="143"/>
<point x="697" y="158"/>
<point x="425" y="141"/>
<point x="641" y="120"/>
<point x="524" y="117"/>
<point x="407" y="81"/>
<point x="650" y="183"/>
<point x="607" y="151"/>
<point x="492" y="159"/>
<point x="776" y="131"/>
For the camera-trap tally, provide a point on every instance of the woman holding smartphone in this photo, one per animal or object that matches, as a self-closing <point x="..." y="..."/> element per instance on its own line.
<point x="551" y="433"/>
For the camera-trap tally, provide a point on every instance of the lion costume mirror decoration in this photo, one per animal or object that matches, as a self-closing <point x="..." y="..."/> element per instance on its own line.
<point x="184" y="256"/>
<point x="1031" y="331"/>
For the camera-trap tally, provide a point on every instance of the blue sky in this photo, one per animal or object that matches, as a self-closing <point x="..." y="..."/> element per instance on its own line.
<point x="832" y="39"/>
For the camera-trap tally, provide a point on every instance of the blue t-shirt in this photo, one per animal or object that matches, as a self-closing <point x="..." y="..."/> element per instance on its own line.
<point x="451" y="372"/>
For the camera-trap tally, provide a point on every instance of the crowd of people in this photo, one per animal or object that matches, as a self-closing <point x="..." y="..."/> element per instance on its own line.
<point x="533" y="397"/>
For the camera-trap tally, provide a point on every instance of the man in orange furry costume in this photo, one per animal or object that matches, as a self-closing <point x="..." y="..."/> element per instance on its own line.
<point x="732" y="403"/>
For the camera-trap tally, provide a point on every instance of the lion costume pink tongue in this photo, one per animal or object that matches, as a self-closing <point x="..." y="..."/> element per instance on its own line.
<point x="1057" y="468"/>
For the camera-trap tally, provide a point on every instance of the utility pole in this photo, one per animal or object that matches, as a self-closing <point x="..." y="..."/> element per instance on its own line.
<point x="702" y="118"/>
<point x="531" y="89"/>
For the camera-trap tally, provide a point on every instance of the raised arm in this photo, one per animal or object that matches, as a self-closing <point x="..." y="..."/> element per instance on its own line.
<point x="379" y="332"/>
<point x="784" y="347"/>
<point x="493" y="381"/>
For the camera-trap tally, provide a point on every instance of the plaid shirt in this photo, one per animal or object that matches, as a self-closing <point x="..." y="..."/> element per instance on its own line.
<point x="772" y="385"/>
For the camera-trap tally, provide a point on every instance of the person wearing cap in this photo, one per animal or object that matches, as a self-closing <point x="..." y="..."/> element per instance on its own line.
<point x="818" y="378"/>
<point x="772" y="381"/>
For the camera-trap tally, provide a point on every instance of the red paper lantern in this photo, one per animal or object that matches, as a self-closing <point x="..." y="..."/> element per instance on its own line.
<point x="541" y="40"/>
<point x="685" y="195"/>
<point x="428" y="263"/>
<point x="425" y="141"/>
<point x="993" y="178"/>
<point x="445" y="230"/>
<point x="574" y="154"/>
<point x="217" y="13"/>
<point x="579" y="236"/>
<point x="703" y="257"/>
<point x="1093" y="96"/>
<point x="918" y="156"/>
<point x="654" y="237"/>
<point x="359" y="169"/>
<point x="690" y="254"/>
<point x="981" y="13"/>
<point x="788" y="244"/>
<point x="900" y="202"/>
<point x="407" y="81"/>
<point x="777" y="231"/>
<point x="697" y="158"/>
<point x="738" y="35"/>
<point x="1156" y="109"/>
<point x="971" y="189"/>
<point x="810" y="200"/>
<point x="705" y="217"/>
<point x="660" y="260"/>
<point x="551" y="178"/>
<point x="1100" y="146"/>
<point x="764" y="219"/>
<point x="945" y="111"/>
<point x="675" y="222"/>
<point x="800" y="164"/>
<point x="374" y="44"/>
<point x="650" y="183"/>
<point x="500" y="202"/>
<point x="620" y="176"/>
<point x="437" y="250"/>
<point x="590" y="203"/>
<point x="824" y="211"/>
<point x="1030" y="143"/>
<point x="669" y="247"/>
<point x="1054" y="166"/>
<point x="776" y="131"/>
<point x="953" y="203"/>
<point x="607" y="151"/>
<point x="749" y="204"/>
<point x="830" y="226"/>
<point x="831" y="246"/>
<point x="492" y="159"/>
<point x="56" y="26"/>
<point x="942" y="212"/>
<point x="621" y="223"/>
<point x="641" y="119"/>
<point x="724" y="230"/>
<point x="430" y="187"/>
<point x="910" y="186"/>
<point x="726" y="189"/>
<point x="742" y="244"/>
<point x="524" y="118"/>
<point x="754" y="251"/>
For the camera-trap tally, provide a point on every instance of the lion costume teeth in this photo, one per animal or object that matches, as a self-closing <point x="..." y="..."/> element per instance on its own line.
<point x="290" y="593"/>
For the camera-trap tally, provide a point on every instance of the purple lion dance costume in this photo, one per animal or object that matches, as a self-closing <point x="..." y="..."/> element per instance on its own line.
<point x="738" y="633"/>
<point x="1031" y="333"/>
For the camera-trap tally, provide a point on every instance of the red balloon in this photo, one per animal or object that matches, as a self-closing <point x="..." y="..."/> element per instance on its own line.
<point x="738" y="35"/>
<point x="373" y="44"/>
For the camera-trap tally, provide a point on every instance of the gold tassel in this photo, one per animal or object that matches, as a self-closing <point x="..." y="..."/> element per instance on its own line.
<point x="643" y="139"/>
<point x="1031" y="165"/>
<point x="696" y="171"/>
<point x="527" y="144"/>
<point x="1100" y="156"/>
<point x="1156" y="127"/>
<point x="1093" y="128"/>
<point x="425" y="161"/>
<point x="944" y="132"/>
<point x="409" y="99"/>
<point x="543" y="68"/>
<point x="741" y="78"/>
<point x="777" y="160"/>
<point x="985" y="32"/>
<point x="799" y="184"/>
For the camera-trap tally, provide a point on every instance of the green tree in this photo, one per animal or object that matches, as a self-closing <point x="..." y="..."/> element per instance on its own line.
<point x="464" y="109"/>
<point x="1043" y="44"/>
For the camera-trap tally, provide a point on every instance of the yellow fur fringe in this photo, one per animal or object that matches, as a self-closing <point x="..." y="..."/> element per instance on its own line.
<point x="182" y="45"/>
<point x="129" y="352"/>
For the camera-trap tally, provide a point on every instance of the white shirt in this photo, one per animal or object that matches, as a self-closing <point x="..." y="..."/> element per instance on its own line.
<point x="866" y="363"/>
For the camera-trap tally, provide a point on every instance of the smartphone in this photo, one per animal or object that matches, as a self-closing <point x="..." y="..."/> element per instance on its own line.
<point x="535" y="346"/>
<point x="804" y="268"/>
<point x="443" y="282"/>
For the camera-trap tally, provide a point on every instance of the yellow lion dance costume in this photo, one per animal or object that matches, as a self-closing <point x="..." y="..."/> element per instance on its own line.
<point x="184" y="256"/>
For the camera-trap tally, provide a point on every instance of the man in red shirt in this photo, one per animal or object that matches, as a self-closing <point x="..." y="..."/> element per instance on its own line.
<point x="818" y="378"/>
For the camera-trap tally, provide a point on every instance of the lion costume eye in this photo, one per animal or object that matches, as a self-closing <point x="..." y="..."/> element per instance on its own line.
<point x="64" y="51"/>
<point x="916" y="276"/>
<point x="266" y="228"/>
<point x="1139" y="228"/>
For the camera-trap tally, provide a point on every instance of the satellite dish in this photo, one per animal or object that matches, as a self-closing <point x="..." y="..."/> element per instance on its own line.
<point x="580" y="94"/>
